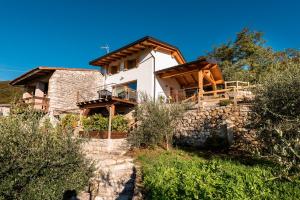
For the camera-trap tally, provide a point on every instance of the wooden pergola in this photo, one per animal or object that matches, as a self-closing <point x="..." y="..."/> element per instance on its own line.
<point x="195" y="75"/>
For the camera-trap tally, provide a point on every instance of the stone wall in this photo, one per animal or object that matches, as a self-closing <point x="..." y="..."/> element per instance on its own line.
<point x="216" y="127"/>
<point x="114" y="174"/>
<point x="64" y="86"/>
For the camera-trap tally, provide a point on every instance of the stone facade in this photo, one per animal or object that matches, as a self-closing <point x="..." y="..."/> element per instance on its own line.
<point x="66" y="87"/>
<point x="216" y="127"/>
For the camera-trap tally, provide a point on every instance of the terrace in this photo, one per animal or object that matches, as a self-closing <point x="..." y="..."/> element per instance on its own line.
<point x="119" y="97"/>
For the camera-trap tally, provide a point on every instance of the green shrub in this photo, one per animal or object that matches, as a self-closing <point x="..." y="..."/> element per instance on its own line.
<point x="119" y="123"/>
<point x="156" y="122"/>
<point x="225" y="102"/>
<point x="99" y="123"/>
<point x="37" y="161"/>
<point x="95" y="122"/>
<point x="179" y="175"/>
<point x="278" y="107"/>
<point x="69" y="121"/>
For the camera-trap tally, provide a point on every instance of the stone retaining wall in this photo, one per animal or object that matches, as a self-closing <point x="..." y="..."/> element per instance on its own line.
<point x="216" y="127"/>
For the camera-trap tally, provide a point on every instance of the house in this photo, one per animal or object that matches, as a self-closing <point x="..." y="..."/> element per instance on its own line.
<point x="4" y="109"/>
<point x="153" y="67"/>
<point x="147" y="65"/>
<point x="55" y="90"/>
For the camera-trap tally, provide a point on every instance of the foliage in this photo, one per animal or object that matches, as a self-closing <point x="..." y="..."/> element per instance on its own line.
<point x="99" y="123"/>
<point x="9" y="93"/>
<point x="179" y="175"/>
<point x="95" y="122"/>
<point x="156" y="122"/>
<point x="69" y="121"/>
<point x="38" y="161"/>
<point x="244" y="59"/>
<point x="225" y="102"/>
<point x="119" y="123"/>
<point x="278" y="107"/>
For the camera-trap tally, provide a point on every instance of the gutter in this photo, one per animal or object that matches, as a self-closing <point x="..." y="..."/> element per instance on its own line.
<point x="154" y="81"/>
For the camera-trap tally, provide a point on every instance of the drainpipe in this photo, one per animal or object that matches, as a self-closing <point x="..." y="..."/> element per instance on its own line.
<point x="154" y="80"/>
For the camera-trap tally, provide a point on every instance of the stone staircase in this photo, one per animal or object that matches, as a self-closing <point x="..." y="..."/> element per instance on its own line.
<point x="115" y="173"/>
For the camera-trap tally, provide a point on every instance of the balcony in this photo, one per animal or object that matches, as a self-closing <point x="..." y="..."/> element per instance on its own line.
<point x="112" y="94"/>
<point x="39" y="103"/>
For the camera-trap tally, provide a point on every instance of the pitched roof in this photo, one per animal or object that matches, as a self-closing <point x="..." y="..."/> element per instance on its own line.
<point x="42" y="71"/>
<point x="135" y="47"/>
<point x="187" y="74"/>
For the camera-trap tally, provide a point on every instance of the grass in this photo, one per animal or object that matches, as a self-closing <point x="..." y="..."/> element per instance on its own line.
<point x="186" y="175"/>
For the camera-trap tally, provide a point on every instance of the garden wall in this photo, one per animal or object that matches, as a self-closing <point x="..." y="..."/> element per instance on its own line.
<point x="216" y="127"/>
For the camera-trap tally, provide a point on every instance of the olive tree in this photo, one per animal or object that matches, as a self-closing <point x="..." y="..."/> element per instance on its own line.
<point x="38" y="161"/>
<point x="156" y="121"/>
<point x="278" y="105"/>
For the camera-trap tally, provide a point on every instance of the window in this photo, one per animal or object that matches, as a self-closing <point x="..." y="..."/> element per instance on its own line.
<point x="130" y="64"/>
<point x="114" y="69"/>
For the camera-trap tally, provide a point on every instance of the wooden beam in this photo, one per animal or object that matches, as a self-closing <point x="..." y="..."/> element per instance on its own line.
<point x="208" y="78"/>
<point x="112" y="110"/>
<point x="140" y="46"/>
<point x="179" y="82"/>
<point x="172" y="74"/>
<point x="200" y="80"/>
<point x="194" y="79"/>
<point x="185" y="80"/>
<point x="200" y="86"/>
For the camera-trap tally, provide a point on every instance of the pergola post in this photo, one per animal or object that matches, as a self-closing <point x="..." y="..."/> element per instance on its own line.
<point x="214" y="87"/>
<point x="111" y="115"/>
<point x="200" y="86"/>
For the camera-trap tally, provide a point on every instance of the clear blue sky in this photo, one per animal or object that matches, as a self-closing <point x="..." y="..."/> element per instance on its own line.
<point x="69" y="33"/>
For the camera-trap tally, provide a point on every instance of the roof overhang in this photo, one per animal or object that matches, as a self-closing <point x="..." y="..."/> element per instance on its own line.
<point x="187" y="74"/>
<point x="137" y="46"/>
<point x="40" y="72"/>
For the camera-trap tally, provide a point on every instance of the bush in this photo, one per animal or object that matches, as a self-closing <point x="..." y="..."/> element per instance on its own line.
<point x="38" y="161"/>
<point x="179" y="175"/>
<point x="156" y="122"/>
<point x="69" y="121"/>
<point x="278" y="107"/>
<point x="119" y="123"/>
<point x="95" y="123"/>
<point x="99" y="123"/>
<point x="225" y="102"/>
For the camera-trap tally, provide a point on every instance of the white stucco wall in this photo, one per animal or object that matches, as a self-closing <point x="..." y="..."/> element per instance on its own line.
<point x="4" y="110"/>
<point x="144" y="73"/>
<point x="162" y="61"/>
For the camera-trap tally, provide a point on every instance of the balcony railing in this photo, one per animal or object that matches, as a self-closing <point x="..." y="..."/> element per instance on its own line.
<point x="39" y="103"/>
<point x="108" y="91"/>
<point x="235" y="90"/>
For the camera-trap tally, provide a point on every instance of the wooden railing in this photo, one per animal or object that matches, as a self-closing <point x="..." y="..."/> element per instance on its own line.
<point x="235" y="90"/>
<point x="40" y="103"/>
<point x="236" y="84"/>
<point x="108" y="91"/>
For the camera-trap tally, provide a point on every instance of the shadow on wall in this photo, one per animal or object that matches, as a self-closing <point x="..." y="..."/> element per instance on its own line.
<point x="70" y="195"/>
<point x="128" y="191"/>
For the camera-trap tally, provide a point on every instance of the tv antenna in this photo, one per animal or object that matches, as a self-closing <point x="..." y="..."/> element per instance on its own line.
<point x="106" y="47"/>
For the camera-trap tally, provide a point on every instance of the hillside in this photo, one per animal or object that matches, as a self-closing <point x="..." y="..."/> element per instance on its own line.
<point x="8" y="93"/>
